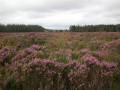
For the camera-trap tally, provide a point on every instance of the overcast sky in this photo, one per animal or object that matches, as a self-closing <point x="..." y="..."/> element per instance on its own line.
<point x="60" y="13"/>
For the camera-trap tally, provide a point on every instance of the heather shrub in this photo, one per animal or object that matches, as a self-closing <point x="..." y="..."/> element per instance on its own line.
<point x="45" y="74"/>
<point x="23" y="57"/>
<point x="77" y="75"/>
<point x="5" y="55"/>
<point x="99" y="72"/>
<point x="112" y="46"/>
<point x="59" y="61"/>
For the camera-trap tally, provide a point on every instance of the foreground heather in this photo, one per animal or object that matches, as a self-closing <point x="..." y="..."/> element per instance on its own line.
<point x="60" y="61"/>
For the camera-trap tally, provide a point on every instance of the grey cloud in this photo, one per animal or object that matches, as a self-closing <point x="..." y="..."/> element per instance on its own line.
<point x="56" y="13"/>
<point x="44" y="5"/>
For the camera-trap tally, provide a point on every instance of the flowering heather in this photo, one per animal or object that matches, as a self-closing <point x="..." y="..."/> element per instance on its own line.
<point x="112" y="45"/>
<point x="4" y="53"/>
<point x="84" y="50"/>
<point x="108" y="69"/>
<point x="60" y="61"/>
<point x="101" y="53"/>
<point x="90" y="60"/>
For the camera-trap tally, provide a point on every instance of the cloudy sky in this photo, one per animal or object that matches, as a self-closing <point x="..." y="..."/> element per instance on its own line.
<point x="60" y="13"/>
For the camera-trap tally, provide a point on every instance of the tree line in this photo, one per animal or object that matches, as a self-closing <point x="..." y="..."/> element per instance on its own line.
<point x="21" y="28"/>
<point x="95" y="28"/>
<point x="73" y="28"/>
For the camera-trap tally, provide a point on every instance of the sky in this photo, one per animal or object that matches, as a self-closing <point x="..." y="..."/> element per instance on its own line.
<point x="59" y="14"/>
